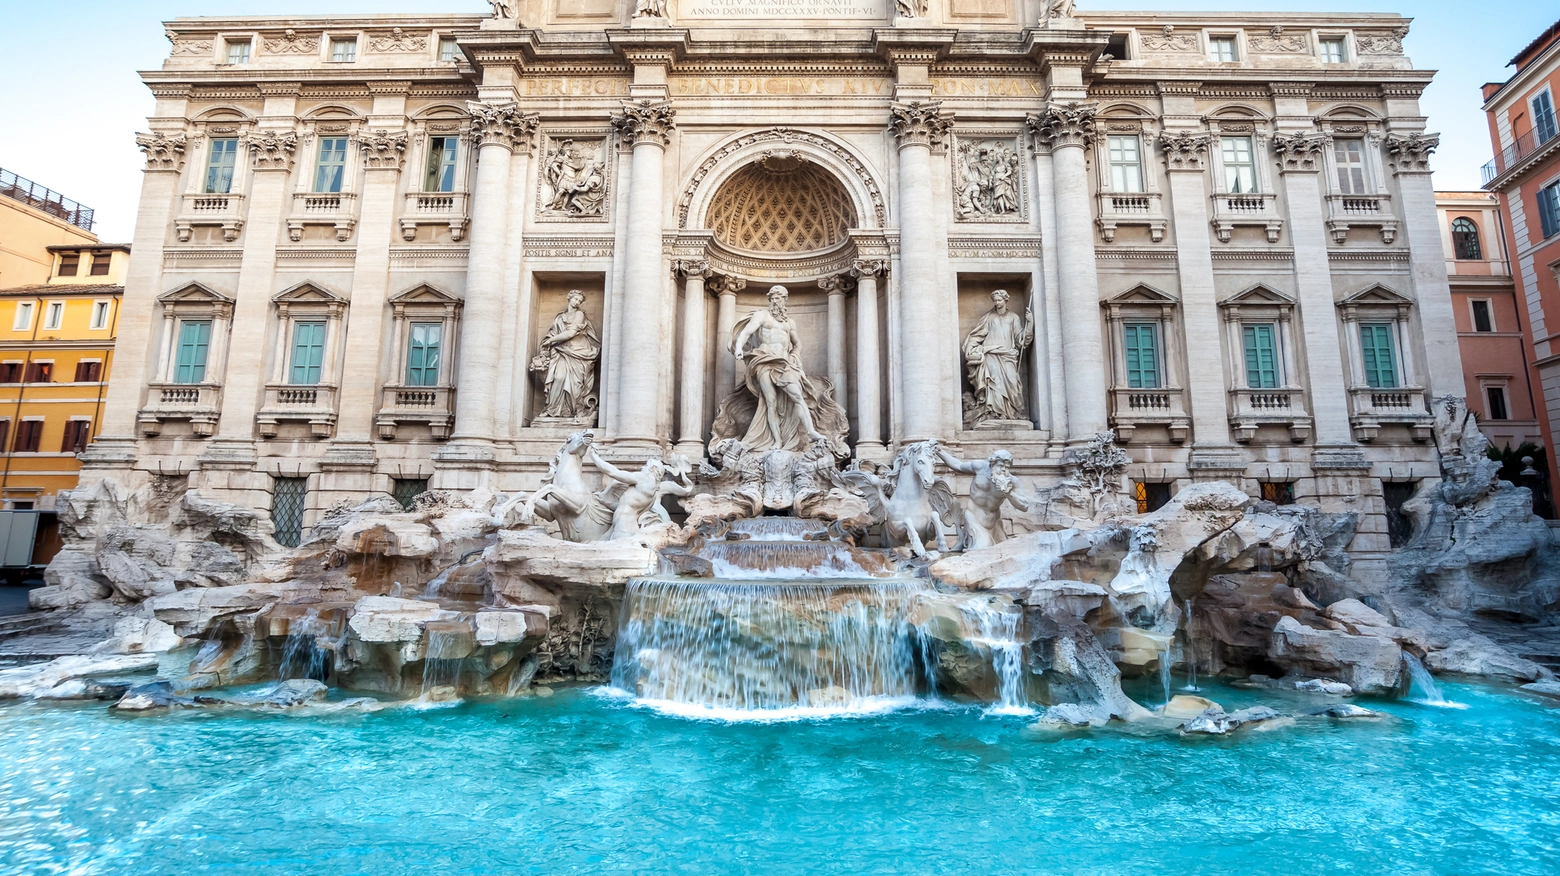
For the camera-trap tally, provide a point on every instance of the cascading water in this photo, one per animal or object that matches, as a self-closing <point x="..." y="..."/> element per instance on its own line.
<point x="1421" y="686"/>
<point x="447" y="650"/>
<point x="1190" y="653"/>
<point x="996" y="627"/>
<point x="777" y="647"/>
<point x="302" y="655"/>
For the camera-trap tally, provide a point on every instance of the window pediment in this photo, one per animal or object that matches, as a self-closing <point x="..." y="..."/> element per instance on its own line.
<point x="1141" y="299"/>
<point x="1258" y="296"/>
<point x="1378" y="301"/>
<point x="309" y="298"/>
<point x="193" y="298"/>
<point x="424" y="299"/>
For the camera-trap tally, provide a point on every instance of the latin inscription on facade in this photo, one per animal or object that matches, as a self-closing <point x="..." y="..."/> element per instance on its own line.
<point x="739" y="86"/>
<point x="782" y="9"/>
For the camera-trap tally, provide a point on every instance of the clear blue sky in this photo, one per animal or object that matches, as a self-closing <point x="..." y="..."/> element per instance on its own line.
<point x="73" y="101"/>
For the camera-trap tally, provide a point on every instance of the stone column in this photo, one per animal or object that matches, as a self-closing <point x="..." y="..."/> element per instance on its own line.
<point x="133" y="363"/>
<point x="869" y="379"/>
<point x="1301" y="160"/>
<point x="919" y="126"/>
<point x="690" y="407"/>
<point x="1068" y="129"/>
<point x="1410" y="158"/>
<point x="725" y="326"/>
<point x="271" y="151"/>
<point x="384" y="152"/>
<point x="1186" y="163"/>
<point x="647" y="125"/>
<point x="835" y="287"/>
<point x="500" y="130"/>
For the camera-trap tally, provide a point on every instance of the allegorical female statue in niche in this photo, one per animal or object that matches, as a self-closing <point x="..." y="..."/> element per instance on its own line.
<point x="568" y="358"/>
<point x="992" y="352"/>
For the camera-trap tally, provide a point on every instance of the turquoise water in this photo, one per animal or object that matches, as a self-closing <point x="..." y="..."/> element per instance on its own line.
<point x="585" y="783"/>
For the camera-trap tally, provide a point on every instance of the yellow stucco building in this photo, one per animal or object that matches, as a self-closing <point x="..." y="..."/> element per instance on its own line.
<point x="32" y="219"/>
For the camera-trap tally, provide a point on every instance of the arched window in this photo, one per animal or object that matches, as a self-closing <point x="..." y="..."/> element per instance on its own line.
<point x="1465" y="240"/>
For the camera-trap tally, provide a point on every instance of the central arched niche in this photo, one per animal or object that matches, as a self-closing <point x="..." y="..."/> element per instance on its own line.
<point x="782" y="205"/>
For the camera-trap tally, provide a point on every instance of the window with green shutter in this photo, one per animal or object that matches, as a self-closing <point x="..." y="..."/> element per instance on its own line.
<point x="308" y="353"/>
<point x="1380" y="359"/>
<point x="1261" y="356"/>
<point x="422" y="354"/>
<point x="1142" y="347"/>
<point x="194" y="343"/>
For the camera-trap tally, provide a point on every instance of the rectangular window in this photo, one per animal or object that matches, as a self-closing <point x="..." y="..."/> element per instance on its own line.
<point x="1349" y="156"/>
<point x="29" y="437"/>
<point x="1141" y="343"/>
<point x="70" y="264"/>
<point x="5" y="433"/>
<point x="1126" y="164"/>
<point x="76" y="434"/>
<point x="238" y="52"/>
<point x="101" y="261"/>
<point x="99" y="315"/>
<point x="194" y="344"/>
<point x="308" y="353"/>
<point x="1495" y="396"/>
<point x="10" y="372"/>
<point x="1240" y="166"/>
<point x="1380" y="359"/>
<point x="53" y="314"/>
<point x="343" y="50"/>
<point x="422" y="354"/>
<point x="1278" y="492"/>
<point x="1261" y="356"/>
<point x="1483" y="321"/>
<point x="332" y="165"/>
<point x="449" y="50"/>
<point x="220" y="164"/>
<point x="24" y="312"/>
<point x="1333" y="50"/>
<point x="1549" y="209"/>
<point x="441" y="164"/>
<point x="1543" y="117"/>
<point x="89" y="372"/>
<point x="40" y="372"/>
<point x="406" y="490"/>
<point x="1221" y="48"/>
<point x="1150" y="496"/>
<point x="287" y="503"/>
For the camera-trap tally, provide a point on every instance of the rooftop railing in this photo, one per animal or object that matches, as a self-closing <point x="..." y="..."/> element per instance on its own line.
<point x="1507" y="158"/>
<point x="49" y="201"/>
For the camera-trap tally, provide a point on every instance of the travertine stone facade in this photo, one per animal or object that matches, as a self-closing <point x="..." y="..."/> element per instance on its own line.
<point x="1219" y="228"/>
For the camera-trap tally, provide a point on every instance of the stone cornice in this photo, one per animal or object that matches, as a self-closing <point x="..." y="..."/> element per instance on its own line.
<point x="912" y="45"/>
<point x="1300" y="152"/>
<point x="164" y="152"/>
<point x="919" y="123"/>
<point x="645" y="121"/>
<point x="502" y="124"/>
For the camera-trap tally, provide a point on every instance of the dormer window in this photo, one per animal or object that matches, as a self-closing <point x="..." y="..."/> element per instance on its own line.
<point x="70" y="264"/>
<point x="1222" y="48"/>
<point x="1334" y="50"/>
<point x="238" y="51"/>
<point x="343" y="51"/>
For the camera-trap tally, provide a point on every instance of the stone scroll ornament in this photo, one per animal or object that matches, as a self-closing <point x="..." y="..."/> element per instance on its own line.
<point x="993" y="353"/>
<point x="645" y="121"/>
<point x="383" y="150"/>
<point x="986" y="179"/>
<point x="780" y="407"/>
<point x="567" y="365"/>
<point x="1410" y="153"/>
<point x="163" y="151"/>
<point x="502" y="124"/>
<point x="1063" y="124"/>
<point x="272" y="150"/>
<point x="575" y="174"/>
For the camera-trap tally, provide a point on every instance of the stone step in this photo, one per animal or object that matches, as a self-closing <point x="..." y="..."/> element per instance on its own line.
<point x="29" y="624"/>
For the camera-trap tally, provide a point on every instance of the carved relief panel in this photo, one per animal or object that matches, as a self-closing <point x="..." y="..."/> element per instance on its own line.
<point x="572" y="177"/>
<point x="988" y="178"/>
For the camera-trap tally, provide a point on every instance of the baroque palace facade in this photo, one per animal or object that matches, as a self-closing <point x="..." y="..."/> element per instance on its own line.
<point x="360" y="242"/>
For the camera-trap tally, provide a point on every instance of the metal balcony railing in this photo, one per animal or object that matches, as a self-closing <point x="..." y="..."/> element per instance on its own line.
<point x="1507" y="158"/>
<point x="47" y="200"/>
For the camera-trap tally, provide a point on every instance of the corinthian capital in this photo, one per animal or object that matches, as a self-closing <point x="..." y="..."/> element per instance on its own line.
<point x="1185" y="150"/>
<point x="383" y="150"/>
<point x="272" y="150"/>
<point x="645" y="121"/>
<point x="502" y="124"/>
<point x="1410" y="153"/>
<point x="1300" y="153"/>
<point x="725" y="285"/>
<point x="838" y="284"/>
<point x="163" y="151"/>
<point x="686" y="268"/>
<point x="1063" y="124"/>
<point x="919" y="124"/>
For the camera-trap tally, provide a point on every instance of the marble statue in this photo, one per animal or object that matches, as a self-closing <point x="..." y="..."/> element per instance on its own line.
<point x="568" y="362"/>
<point x="992" y="351"/>
<point x="1059" y="9"/>
<point x="650" y="9"/>
<point x="911" y="8"/>
<point x="988" y="179"/>
<point x="992" y="487"/>
<point x="783" y="408"/>
<point x="581" y="513"/>
<point x="639" y="504"/>
<point x="576" y="179"/>
<point x="915" y="507"/>
<point x="504" y="9"/>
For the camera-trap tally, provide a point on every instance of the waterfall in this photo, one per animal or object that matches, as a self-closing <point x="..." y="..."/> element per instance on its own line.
<point x="1164" y="672"/>
<point x="772" y="559"/>
<point x="302" y="656"/>
<point x="996" y="627"/>
<point x="1421" y="686"/>
<point x="442" y="664"/>
<point x="1190" y="654"/>
<point x="767" y="649"/>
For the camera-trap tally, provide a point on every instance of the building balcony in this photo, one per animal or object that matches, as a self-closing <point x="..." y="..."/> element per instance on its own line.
<point x="1251" y="409"/>
<point x="433" y="406"/>
<point x="198" y="403"/>
<point x="337" y="209"/>
<point x="1132" y="408"/>
<point x="435" y="208"/>
<point x="225" y="211"/>
<point x="286" y="403"/>
<point x="1344" y="211"/>
<point x="1370" y="408"/>
<point x="1232" y="211"/>
<point x="1131" y="208"/>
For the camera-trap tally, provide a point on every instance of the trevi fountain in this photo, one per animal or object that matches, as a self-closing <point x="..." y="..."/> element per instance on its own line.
<point x="781" y="647"/>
